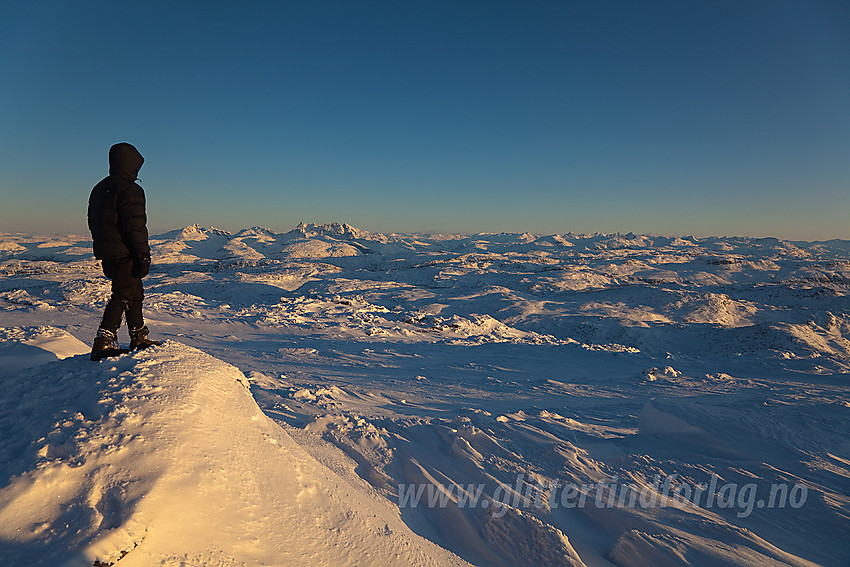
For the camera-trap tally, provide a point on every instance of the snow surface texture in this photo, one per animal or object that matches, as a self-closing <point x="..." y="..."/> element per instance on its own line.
<point x="510" y="368"/>
<point x="164" y="458"/>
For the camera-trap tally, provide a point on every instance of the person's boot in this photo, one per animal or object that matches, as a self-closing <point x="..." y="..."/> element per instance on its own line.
<point x="139" y="339"/>
<point x="105" y="345"/>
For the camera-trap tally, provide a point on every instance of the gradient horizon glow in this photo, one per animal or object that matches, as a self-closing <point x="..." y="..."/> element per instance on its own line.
<point x="661" y="117"/>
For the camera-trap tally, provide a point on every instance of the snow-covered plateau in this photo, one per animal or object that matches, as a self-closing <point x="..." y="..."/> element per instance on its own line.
<point x="330" y="396"/>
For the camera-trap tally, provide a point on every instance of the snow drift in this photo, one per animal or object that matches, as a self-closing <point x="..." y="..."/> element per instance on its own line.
<point x="164" y="458"/>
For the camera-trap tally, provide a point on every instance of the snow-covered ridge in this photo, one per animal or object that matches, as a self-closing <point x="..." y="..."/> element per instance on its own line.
<point x="310" y="240"/>
<point x="164" y="458"/>
<point x="336" y="230"/>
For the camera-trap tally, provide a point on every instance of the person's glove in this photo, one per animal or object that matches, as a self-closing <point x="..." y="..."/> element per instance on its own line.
<point x="141" y="266"/>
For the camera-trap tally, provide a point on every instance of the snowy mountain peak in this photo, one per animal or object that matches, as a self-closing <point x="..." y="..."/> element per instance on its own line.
<point x="197" y="232"/>
<point x="334" y="229"/>
<point x="256" y="231"/>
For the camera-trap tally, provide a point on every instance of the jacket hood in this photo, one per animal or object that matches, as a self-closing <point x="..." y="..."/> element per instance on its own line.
<point x="125" y="160"/>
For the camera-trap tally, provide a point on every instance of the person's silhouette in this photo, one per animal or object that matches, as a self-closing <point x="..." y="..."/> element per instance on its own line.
<point x="118" y="224"/>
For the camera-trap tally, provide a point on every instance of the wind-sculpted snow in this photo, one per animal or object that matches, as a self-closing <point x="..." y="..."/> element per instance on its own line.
<point x="163" y="458"/>
<point x="522" y="400"/>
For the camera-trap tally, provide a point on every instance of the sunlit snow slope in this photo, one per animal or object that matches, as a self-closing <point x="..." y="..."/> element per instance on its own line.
<point x="164" y="458"/>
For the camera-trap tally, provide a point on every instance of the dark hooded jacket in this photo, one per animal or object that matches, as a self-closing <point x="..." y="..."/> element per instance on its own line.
<point x="116" y="213"/>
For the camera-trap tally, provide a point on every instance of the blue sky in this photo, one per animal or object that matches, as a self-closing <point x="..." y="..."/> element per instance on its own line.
<point x="720" y="117"/>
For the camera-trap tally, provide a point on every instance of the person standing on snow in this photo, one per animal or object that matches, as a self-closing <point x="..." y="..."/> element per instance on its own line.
<point x="117" y="220"/>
